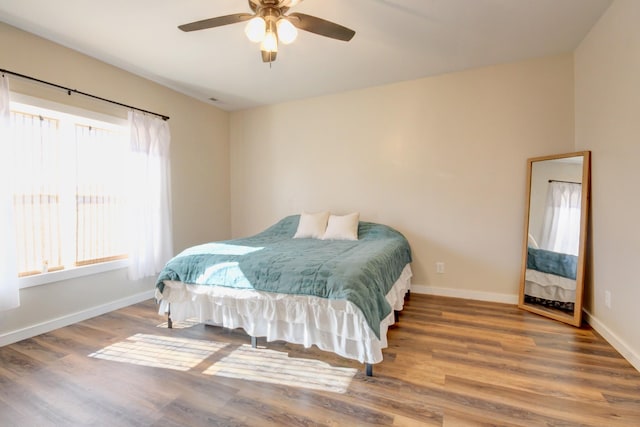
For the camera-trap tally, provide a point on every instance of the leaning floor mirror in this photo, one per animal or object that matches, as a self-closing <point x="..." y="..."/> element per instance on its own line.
<point x="555" y="236"/>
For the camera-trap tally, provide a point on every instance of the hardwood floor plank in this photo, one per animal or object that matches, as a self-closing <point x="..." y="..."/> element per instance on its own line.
<point x="14" y="363"/>
<point x="398" y="406"/>
<point x="450" y="362"/>
<point x="540" y="409"/>
<point x="463" y="419"/>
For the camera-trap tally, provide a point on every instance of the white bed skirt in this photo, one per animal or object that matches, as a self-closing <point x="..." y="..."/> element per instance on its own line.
<point x="549" y="286"/>
<point x="332" y="325"/>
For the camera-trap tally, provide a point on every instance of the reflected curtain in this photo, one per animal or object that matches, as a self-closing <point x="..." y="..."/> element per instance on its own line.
<point x="9" y="292"/>
<point x="561" y="226"/>
<point x="150" y="231"/>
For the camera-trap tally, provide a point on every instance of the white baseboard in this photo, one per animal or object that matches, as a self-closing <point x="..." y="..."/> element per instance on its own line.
<point x="465" y="294"/>
<point x="617" y="343"/>
<point x="50" y="325"/>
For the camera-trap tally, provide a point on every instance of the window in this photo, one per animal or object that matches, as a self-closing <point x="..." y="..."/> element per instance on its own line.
<point x="69" y="201"/>
<point x="561" y="226"/>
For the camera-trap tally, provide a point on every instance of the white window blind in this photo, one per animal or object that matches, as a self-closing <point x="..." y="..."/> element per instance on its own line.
<point x="100" y="203"/>
<point x="69" y="200"/>
<point x="37" y="198"/>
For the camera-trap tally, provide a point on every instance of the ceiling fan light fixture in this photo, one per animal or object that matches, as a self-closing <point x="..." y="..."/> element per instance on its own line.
<point x="268" y="56"/>
<point x="270" y="42"/>
<point x="269" y="25"/>
<point x="287" y="33"/>
<point x="256" y="29"/>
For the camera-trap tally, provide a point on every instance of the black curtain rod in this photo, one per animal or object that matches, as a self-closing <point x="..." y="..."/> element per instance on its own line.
<point x="566" y="182"/>
<point x="70" y="91"/>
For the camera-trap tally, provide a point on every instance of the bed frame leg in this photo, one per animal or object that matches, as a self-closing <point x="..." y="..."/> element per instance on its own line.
<point x="254" y="342"/>
<point x="369" y="369"/>
<point x="169" y="321"/>
<point x="396" y="316"/>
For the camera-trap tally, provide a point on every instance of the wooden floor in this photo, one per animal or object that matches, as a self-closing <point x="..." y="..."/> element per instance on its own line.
<point x="450" y="362"/>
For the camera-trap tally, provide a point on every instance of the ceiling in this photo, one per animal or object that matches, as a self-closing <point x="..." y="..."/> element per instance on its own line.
<point x="395" y="40"/>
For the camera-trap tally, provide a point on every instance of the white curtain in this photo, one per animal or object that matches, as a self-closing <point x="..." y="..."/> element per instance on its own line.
<point x="561" y="226"/>
<point x="9" y="293"/>
<point x="151" y="241"/>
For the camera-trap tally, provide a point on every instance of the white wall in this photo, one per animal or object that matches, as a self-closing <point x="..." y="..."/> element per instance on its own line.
<point x="442" y="159"/>
<point x="199" y="160"/>
<point x="607" y="104"/>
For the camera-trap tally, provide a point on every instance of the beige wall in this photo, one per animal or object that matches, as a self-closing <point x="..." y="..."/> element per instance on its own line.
<point x="441" y="159"/>
<point x="607" y="99"/>
<point x="199" y="160"/>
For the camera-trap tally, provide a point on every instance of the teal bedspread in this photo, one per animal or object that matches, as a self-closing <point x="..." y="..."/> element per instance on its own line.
<point x="361" y="271"/>
<point x="557" y="263"/>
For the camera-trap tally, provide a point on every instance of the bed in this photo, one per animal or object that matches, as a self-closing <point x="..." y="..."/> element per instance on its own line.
<point x="550" y="279"/>
<point x="339" y="295"/>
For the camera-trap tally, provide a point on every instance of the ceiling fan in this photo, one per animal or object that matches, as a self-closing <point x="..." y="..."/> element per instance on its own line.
<point x="269" y="24"/>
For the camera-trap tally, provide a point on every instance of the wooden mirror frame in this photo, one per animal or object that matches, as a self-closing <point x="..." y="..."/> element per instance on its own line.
<point x="562" y="316"/>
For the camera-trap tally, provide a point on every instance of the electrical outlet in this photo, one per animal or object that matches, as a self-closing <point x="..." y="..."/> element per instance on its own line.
<point x="607" y="299"/>
<point x="440" y="267"/>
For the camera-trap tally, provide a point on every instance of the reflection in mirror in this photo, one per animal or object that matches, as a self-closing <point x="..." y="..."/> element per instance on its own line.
<point x="553" y="259"/>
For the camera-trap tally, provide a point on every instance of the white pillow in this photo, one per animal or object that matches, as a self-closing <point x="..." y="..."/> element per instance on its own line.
<point x="343" y="227"/>
<point x="312" y="225"/>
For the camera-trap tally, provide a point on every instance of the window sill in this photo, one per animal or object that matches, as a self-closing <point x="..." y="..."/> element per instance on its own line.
<point x="71" y="273"/>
